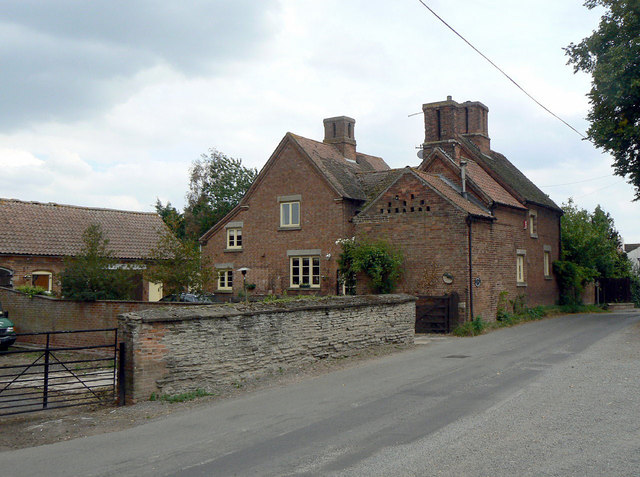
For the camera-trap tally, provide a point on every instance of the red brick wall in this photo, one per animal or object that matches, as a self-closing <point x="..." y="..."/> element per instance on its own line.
<point x="22" y="266"/>
<point x="38" y="314"/>
<point x="432" y="242"/>
<point x="495" y="248"/>
<point x="25" y="265"/>
<point x="435" y="242"/>
<point x="323" y="220"/>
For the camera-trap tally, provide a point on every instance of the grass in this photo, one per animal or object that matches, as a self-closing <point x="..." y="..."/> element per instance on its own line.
<point x="188" y="396"/>
<point x="478" y="326"/>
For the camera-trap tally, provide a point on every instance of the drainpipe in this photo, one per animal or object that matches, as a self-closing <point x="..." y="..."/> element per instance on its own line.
<point x="469" y="223"/>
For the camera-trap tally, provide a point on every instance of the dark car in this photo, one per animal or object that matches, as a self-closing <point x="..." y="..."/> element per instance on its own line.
<point x="189" y="298"/>
<point x="7" y="333"/>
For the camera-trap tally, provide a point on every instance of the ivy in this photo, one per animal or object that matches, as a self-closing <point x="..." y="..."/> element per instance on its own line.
<point x="377" y="260"/>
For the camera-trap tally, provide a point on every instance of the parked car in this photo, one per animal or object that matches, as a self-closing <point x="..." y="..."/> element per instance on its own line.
<point x="7" y="332"/>
<point x="190" y="298"/>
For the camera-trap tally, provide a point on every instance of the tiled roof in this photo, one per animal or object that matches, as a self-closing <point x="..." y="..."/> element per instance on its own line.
<point x="340" y="172"/>
<point x="34" y="228"/>
<point x="489" y="186"/>
<point x="510" y="175"/>
<point x="630" y="247"/>
<point x="453" y="196"/>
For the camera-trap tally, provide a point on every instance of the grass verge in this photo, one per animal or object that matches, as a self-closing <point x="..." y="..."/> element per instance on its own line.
<point x="188" y="396"/>
<point x="478" y="326"/>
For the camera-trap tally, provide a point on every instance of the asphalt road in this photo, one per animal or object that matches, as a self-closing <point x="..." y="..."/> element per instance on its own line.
<point x="559" y="397"/>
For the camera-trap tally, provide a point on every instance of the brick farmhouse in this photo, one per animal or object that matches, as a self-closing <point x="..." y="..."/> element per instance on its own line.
<point x="36" y="238"/>
<point x="465" y="219"/>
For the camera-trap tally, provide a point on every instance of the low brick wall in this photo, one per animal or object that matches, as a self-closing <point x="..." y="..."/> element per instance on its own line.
<point x="42" y="313"/>
<point x="174" y="350"/>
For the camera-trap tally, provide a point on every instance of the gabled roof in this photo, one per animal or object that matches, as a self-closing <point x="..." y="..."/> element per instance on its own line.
<point x="434" y="182"/>
<point x="479" y="179"/>
<point x="509" y="176"/>
<point x="35" y="228"/>
<point x="339" y="171"/>
<point x="441" y="186"/>
<point x="630" y="247"/>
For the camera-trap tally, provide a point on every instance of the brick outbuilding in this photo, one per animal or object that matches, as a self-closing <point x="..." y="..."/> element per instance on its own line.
<point x="465" y="219"/>
<point x="36" y="238"/>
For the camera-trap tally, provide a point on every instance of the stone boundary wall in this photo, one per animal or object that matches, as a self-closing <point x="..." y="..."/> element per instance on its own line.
<point x="174" y="350"/>
<point x="43" y="313"/>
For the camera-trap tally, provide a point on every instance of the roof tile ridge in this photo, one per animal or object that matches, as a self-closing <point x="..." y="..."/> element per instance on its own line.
<point x="83" y="207"/>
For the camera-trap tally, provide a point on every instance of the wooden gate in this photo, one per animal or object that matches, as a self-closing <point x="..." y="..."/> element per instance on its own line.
<point x="436" y="314"/>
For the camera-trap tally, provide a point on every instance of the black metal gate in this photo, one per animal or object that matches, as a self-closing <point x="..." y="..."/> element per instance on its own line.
<point x="436" y="314"/>
<point x="51" y="377"/>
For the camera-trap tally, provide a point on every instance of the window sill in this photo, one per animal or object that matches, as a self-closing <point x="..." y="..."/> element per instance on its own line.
<point x="290" y="228"/>
<point x="231" y="250"/>
<point x="224" y="291"/>
<point x="521" y="284"/>
<point x="317" y="287"/>
<point x="535" y="236"/>
<point x="548" y="277"/>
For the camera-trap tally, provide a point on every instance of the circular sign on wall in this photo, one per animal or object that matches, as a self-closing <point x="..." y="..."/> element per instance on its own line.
<point x="447" y="278"/>
<point x="477" y="282"/>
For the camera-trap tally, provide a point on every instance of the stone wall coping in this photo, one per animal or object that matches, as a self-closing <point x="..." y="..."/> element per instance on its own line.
<point x="172" y="313"/>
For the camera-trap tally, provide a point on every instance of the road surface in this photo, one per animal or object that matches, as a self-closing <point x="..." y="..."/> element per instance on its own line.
<point x="558" y="397"/>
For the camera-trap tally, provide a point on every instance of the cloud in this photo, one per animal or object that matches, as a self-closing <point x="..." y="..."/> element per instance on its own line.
<point x="67" y="60"/>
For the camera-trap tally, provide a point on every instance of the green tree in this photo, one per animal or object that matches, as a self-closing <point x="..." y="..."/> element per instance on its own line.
<point x="94" y="275"/>
<point x="172" y="218"/>
<point x="217" y="184"/>
<point x="591" y="240"/>
<point x="179" y="266"/>
<point x="591" y="249"/>
<point x="612" y="56"/>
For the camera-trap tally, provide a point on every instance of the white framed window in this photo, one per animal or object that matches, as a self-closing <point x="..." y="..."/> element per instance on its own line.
<point x="42" y="279"/>
<point x="234" y="239"/>
<point x="520" y="267"/>
<point x="290" y="214"/>
<point x="533" y="224"/>
<point x="225" y="280"/>
<point x="304" y="272"/>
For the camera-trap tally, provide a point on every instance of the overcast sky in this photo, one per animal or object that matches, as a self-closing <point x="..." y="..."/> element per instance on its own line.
<point x="107" y="103"/>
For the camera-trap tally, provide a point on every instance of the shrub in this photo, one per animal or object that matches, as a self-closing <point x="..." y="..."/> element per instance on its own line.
<point x="32" y="290"/>
<point x="378" y="260"/>
<point x="474" y="327"/>
<point x="572" y="279"/>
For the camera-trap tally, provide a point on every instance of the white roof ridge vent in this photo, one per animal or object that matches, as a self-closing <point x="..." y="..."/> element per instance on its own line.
<point x="352" y="161"/>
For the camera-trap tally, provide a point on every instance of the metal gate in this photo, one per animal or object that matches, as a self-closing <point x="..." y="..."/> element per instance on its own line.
<point x="436" y="314"/>
<point x="50" y="376"/>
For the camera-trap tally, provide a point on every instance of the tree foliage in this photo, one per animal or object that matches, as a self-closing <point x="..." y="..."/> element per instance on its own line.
<point x="217" y="184"/>
<point x="591" y="240"/>
<point x="172" y="218"/>
<point x="591" y="249"/>
<point x="179" y="266"/>
<point x="612" y="56"/>
<point x="377" y="260"/>
<point x="94" y="275"/>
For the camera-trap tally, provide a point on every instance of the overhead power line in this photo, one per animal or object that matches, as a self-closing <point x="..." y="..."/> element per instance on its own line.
<point x="578" y="182"/>
<point x="500" y="70"/>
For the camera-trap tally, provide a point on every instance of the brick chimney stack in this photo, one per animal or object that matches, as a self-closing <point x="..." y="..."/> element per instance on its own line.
<point x="444" y="120"/>
<point x="339" y="131"/>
